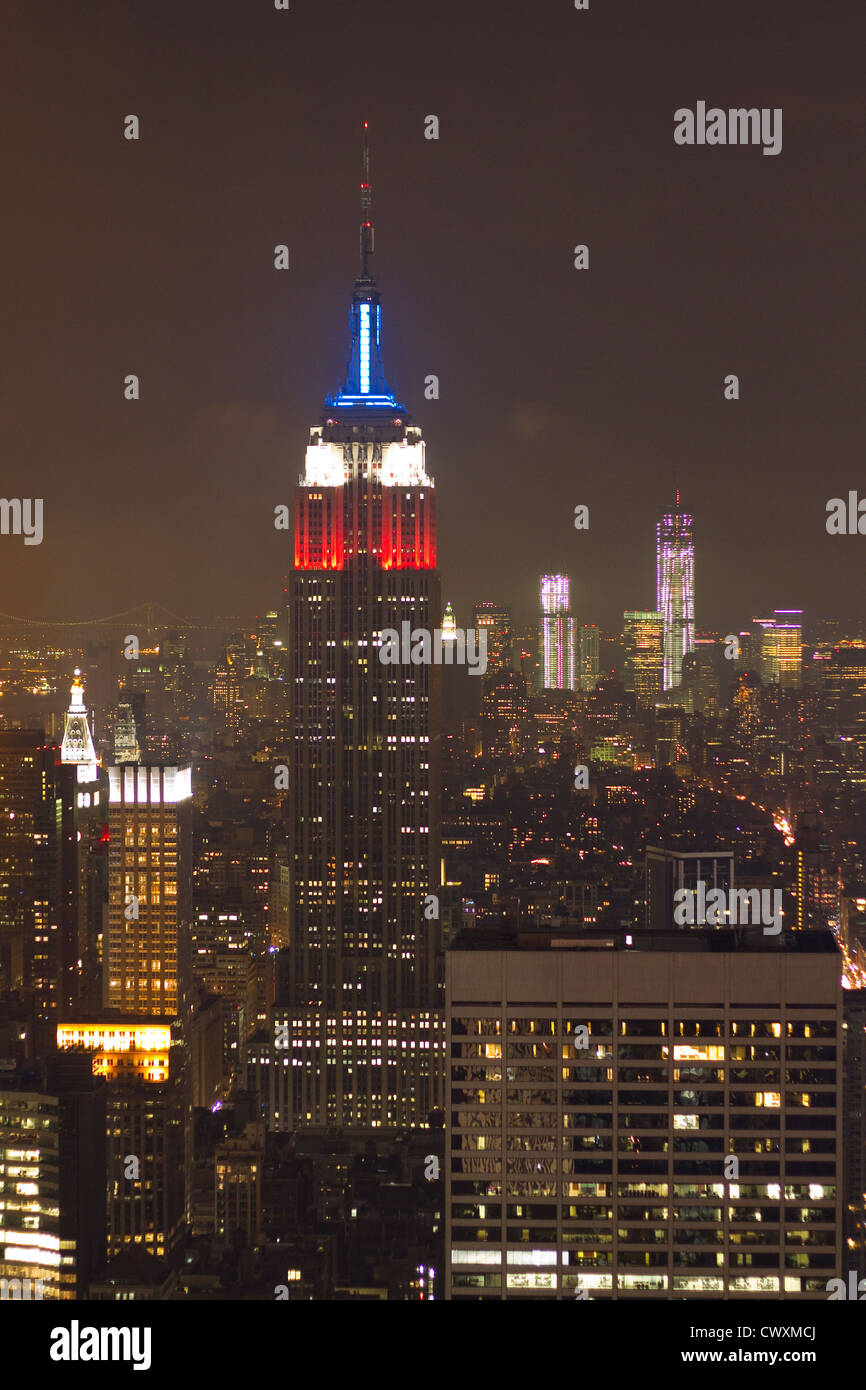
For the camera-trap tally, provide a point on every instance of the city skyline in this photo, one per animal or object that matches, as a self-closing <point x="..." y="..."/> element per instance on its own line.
<point x="433" y="756"/>
<point x="616" y="381"/>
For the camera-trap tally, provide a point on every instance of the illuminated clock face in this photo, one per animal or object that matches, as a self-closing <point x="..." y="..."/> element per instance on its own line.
<point x="74" y="740"/>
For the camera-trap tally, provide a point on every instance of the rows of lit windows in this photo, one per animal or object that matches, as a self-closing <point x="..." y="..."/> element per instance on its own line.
<point x="532" y="1049"/>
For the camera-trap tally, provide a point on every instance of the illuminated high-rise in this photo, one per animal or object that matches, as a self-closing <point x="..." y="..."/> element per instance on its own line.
<point x="38" y="872"/>
<point x="497" y="621"/>
<point x="643" y="637"/>
<point x="362" y="1043"/>
<point x="781" y="651"/>
<point x="589" y="656"/>
<point x="557" y="634"/>
<point x="52" y="1178"/>
<point x="675" y="588"/>
<point x="146" y="980"/>
<point x="609" y="1180"/>
<point x="30" y="1188"/>
<point x="149" y="882"/>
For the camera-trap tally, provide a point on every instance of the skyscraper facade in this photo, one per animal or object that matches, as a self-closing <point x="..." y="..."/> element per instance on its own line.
<point x="149" y="909"/>
<point x="781" y="655"/>
<point x="589" y="656"/>
<point x="365" y="989"/>
<point x="675" y="588"/>
<point x="557" y="634"/>
<point x="30" y="1187"/>
<point x="497" y="621"/>
<point x="643" y="639"/>
<point x="595" y="1096"/>
<point x="38" y="872"/>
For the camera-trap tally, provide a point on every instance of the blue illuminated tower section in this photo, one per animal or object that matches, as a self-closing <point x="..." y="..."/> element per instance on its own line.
<point x="365" y="383"/>
<point x="675" y="589"/>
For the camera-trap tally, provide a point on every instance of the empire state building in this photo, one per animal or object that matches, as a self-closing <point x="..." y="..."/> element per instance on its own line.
<point x="362" y="1029"/>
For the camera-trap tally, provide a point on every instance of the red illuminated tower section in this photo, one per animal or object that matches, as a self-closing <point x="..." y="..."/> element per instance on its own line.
<point x="364" y="1021"/>
<point x="385" y="513"/>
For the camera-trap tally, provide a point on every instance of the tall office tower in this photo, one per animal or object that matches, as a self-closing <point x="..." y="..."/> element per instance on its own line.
<point x="789" y="627"/>
<point x="38" y="872"/>
<point x="701" y="677"/>
<point x="671" y="736"/>
<point x="147" y="1119"/>
<point x="239" y="1163"/>
<point x="52" y="1178"/>
<point x="147" y="976"/>
<point x="150" y="1120"/>
<point x="672" y="868"/>
<point x="497" y="621"/>
<point x="524" y="654"/>
<point x="781" y="648"/>
<point x="557" y="634"/>
<point x="364" y="1018"/>
<point x="126" y="749"/>
<point x="505" y="716"/>
<point x="675" y="588"/>
<point x="818" y="871"/>
<point x="746" y="709"/>
<point x="844" y="697"/>
<point x="854" y="1110"/>
<point x="643" y="640"/>
<point x="29" y="1187"/>
<point x="589" y="667"/>
<point x="145" y="960"/>
<point x="83" y="825"/>
<point x="81" y="1097"/>
<point x="145" y="687"/>
<point x="607" y="1177"/>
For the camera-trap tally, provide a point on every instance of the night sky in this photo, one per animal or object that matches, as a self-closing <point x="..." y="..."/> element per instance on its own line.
<point x="558" y="387"/>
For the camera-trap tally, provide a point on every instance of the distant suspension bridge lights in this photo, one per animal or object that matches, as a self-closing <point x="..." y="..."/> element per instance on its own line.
<point x="147" y="617"/>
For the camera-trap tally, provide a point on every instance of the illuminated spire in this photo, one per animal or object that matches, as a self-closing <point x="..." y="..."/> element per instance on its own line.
<point x="449" y="625"/>
<point x="365" y="383"/>
<point x="366" y="204"/>
<point x="77" y="746"/>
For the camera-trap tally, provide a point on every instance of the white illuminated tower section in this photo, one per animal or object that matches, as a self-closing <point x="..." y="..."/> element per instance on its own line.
<point x="363" y="1032"/>
<point x="675" y="589"/>
<point x="557" y="634"/>
<point x="77" y="746"/>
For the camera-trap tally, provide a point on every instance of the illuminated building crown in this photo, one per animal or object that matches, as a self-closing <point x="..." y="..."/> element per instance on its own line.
<point x="365" y="495"/>
<point x="77" y="746"/>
